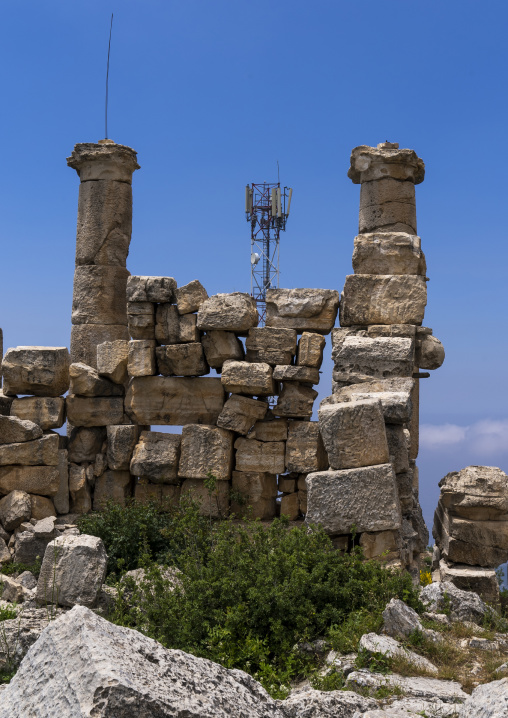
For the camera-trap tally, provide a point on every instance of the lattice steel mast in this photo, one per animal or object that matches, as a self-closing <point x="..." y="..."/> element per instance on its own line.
<point x="267" y="210"/>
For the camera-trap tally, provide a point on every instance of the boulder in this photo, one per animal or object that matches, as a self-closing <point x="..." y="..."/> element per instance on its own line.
<point x="464" y="605"/>
<point x="117" y="671"/>
<point x="42" y="371"/>
<point x="240" y="413"/>
<point x="260" y="456"/>
<point x="85" y="442"/>
<point x="40" y="452"/>
<point x="270" y="345"/>
<point x="29" y="548"/>
<point x="360" y="358"/>
<point x="174" y="400"/>
<point x="94" y="411"/>
<point x="99" y="295"/>
<point x="312" y="310"/>
<point x="14" y="430"/>
<point x="383" y="299"/>
<point x="19" y="633"/>
<point x="430" y="353"/>
<point x="311" y="703"/>
<point x="85" y="381"/>
<point x="182" y="360"/>
<point x="15" y="508"/>
<point x="205" y="450"/>
<point x="73" y="571"/>
<point x="295" y="401"/>
<point x="236" y="312"/>
<point x="112" y="358"/>
<point x="156" y="457"/>
<point x="219" y="346"/>
<point x="388" y="253"/>
<point x="420" y="687"/>
<point x="43" y="480"/>
<point x="151" y="289"/>
<point x="487" y="701"/>
<point x="365" y="498"/>
<point x="241" y="377"/>
<point x="46" y="412"/>
<point x="400" y="620"/>
<point x="305" y="451"/>
<point x="141" y="361"/>
<point x="310" y="350"/>
<point x="354" y="434"/>
<point x="372" y="643"/>
<point x="121" y="442"/>
<point x="190" y="297"/>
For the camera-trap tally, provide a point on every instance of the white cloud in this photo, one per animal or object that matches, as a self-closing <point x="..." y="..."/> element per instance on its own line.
<point x="485" y="437"/>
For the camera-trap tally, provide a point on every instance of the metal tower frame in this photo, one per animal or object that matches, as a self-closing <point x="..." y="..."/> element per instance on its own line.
<point x="267" y="210"/>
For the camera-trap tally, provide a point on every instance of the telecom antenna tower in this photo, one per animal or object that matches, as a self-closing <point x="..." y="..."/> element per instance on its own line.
<point x="267" y="210"/>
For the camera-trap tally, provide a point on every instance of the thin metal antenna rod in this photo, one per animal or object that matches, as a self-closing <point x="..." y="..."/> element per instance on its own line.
<point x="107" y="76"/>
<point x="278" y="173"/>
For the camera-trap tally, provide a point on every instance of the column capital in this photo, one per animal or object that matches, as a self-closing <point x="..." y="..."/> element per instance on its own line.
<point x="103" y="160"/>
<point x="385" y="161"/>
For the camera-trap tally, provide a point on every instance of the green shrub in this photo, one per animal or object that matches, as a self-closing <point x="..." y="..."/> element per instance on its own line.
<point x="8" y="569"/>
<point x="249" y="593"/>
<point x="6" y="613"/>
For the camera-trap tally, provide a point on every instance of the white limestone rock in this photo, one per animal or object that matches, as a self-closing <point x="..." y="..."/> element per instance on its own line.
<point x="15" y="508"/>
<point x="311" y="310"/>
<point x="47" y="412"/>
<point x="41" y="371"/>
<point x="464" y="605"/>
<point x="400" y="620"/>
<point x="373" y="643"/>
<point x="235" y="312"/>
<point x="311" y="703"/>
<point x="151" y="289"/>
<point x="487" y="701"/>
<point x="420" y="687"/>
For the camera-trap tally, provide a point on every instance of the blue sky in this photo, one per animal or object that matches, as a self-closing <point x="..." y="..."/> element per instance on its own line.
<point x="211" y="94"/>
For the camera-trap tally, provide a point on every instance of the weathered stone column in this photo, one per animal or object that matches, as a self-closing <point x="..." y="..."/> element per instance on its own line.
<point x="99" y="308"/>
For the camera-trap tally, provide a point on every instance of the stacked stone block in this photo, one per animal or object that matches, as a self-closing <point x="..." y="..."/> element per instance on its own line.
<point x="253" y="452"/>
<point x="370" y="423"/>
<point x="471" y="529"/>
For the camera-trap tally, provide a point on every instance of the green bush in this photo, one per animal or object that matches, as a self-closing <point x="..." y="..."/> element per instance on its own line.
<point x="250" y="593"/>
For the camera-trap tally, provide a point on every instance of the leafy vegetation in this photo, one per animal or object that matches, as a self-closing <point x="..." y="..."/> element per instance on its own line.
<point x="14" y="569"/>
<point x="8" y="612"/>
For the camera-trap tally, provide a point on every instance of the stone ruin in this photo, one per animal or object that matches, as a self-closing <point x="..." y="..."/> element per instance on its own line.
<point x="141" y="351"/>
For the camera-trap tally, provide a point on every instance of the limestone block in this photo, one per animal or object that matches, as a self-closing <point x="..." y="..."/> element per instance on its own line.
<point x="271" y="345"/>
<point x="398" y="447"/>
<point x="286" y="485"/>
<point x="121" y="442"/>
<point x="94" y="411"/>
<point x="272" y="430"/>
<point x="61" y="498"/>
<point x="214" y="504"/>
<point x="141" y="326"/>
<point x="379" y="544"/>
<point x="190" y="297"/>
<point x="365" y="498"/>
<point x="260" y="456"/>
<point x="383" y="299"/>
<point x="167" y="495"/>
<point x="167" y="324"/>
<point x="387" y="204"/>
<point x="305" y="451"/>
<point x="394" y="395"/>
<point x="205" y="450"/>
<point x="5" y="401"/>
<point x="235" y="312"/>
<point x="366" y="358"/>
<point x="42" y="507"/>
<point x="312" y="310"/>
<point x="113" y="486"/>
<point x="112" y="359"/>
<point x="86" y="337"/>
<point x="5" y="554"/>
<point x="43" y="480"/>
<point x="151" y="289"/>
<point x="430" y="353"/>
<point x="254" y="486"/>
<point x="482" y="581"/>
<point x="303" y="374"/>
<point x="393" y="330"/>
<point x="290" y="506"/>
<point x="156" y="457"/>
<point x="141" y="358"/>
<point x="295" y="401"/>
<point x="46" y="412"/>
<point x="310" y="350"/>
<point x="105" y="161"/>
<point x="354" y="434"/>
<point x="141" y="309"/>
<point x="40" y="452"/>
<point x="263" y="509"/>
<point x="219" y="346"/>
<point x="182" y="360"/>
<point x="302" y="502"/>
<point x="104" y="223"/>
<point x="73" y="571"/>
<point x="241" y="377"/>
<point x="15" y="508"/>
<point x="79" y="489"/>
<point x="85" y="381"/>
<point x="41" y="371"/>
<point x="489" y="699"/>
<point x="14" y="429"/>
<point x="85" y="443"/>
<point x="388" y="253"/>
<point x="372" y="643"/>
<point x="189" y="331"/>
<point x="377" y="163"/>
<point x="476" y="492"/>
<point x="174" y="400"/>
<point x="99" y="295"/>
<point x="405" y="491"/>
<point x="240" y="413"/>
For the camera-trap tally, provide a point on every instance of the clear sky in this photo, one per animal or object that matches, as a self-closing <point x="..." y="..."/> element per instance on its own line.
<point x="211" y="93"/>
